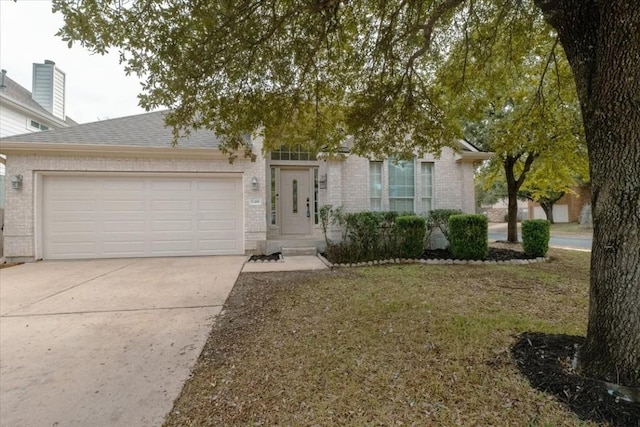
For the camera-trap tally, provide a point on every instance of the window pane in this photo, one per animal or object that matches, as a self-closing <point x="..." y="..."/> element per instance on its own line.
<point x="273" y="196"/>
<point x="375" y="179"/>
<point x="295" y="196"/>
<point x="315" y="195"/>
<point x="292" y="153"/>
<point x="375" y="185"/>
<point x="426" y="205"/>
<point x="427" y="187"/>
<point x="401" y="205"/>
<point x="427" y="179"/>
<point x="401" y="185"/>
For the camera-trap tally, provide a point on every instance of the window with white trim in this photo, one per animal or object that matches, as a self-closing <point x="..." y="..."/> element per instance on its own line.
<point x="426" y="173"/>
<point x="401" y="185"/>
<point x="375" y="185"/>
<point x="38" y="125"/>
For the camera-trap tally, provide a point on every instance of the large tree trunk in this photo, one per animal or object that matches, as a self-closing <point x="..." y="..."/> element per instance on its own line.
<point x="512" y="211"/>
<point x="513" y="186"/>
<point x="602" y="43"/>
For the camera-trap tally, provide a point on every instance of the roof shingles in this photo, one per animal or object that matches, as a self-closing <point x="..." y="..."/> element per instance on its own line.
<point x="142" y="130"/>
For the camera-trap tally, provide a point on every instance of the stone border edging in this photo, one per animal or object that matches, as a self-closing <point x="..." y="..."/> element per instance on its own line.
<point x="433" y="262"/>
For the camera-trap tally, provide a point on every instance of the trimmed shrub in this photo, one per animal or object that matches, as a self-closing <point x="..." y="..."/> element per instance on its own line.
<point x="440" y="218"/>
<point x="468" y="236"/>
<point x="535" y="237"/>
<point x="411" y="232"/>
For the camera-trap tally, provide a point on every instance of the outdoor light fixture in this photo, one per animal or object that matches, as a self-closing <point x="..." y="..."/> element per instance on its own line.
<point x="323" y="181"/>
<point x="16" y="182"/>
<point x="254" y="183"/>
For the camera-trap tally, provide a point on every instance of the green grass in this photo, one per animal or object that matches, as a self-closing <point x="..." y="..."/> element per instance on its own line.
<point x="387" y="345"/>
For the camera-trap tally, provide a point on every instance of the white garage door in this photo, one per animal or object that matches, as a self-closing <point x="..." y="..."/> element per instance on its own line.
<point x="87" y="216"/>
<point x="560" y="213"/>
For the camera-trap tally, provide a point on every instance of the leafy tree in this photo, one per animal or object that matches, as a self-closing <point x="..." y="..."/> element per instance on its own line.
<point x="314" y="71"/>
<point x="505" y="107"/>
<point x="553" y="178"/>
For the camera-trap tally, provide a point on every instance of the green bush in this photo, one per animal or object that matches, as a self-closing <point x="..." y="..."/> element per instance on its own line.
<point x="468" y="236"/>
<point x="411" y="232"/>
<point x="440" y="218"/>
<point x="535" y="237"/>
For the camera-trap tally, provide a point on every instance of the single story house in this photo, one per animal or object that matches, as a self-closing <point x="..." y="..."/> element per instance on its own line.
<point x="119" y="188"/>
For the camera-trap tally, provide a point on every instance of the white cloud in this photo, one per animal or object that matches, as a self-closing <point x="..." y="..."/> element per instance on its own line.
<point x="97" y="87"/>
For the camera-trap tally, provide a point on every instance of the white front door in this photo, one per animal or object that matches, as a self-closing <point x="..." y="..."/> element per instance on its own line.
<point x="296" y="203"/>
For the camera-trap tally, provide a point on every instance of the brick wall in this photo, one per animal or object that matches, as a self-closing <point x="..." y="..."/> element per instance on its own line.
<point x="348" y="183"/>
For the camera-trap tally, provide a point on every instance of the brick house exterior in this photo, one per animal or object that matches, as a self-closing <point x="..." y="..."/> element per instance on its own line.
<point x="568" y="208"/>
<point x="118" y="188"/>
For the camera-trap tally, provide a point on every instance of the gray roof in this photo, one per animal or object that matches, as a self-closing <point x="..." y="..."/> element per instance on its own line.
<point x="143" y="130"/>
<point x="18" y="93"/>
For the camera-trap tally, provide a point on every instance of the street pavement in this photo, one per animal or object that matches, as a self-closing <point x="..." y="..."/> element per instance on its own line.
<point x="566" y="241"/>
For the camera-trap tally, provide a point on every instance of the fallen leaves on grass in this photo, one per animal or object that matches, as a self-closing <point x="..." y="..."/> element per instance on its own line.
<point x="389" y="345"/>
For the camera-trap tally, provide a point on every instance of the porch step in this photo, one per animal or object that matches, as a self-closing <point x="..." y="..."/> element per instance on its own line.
<point x="299" y="250"/>
<point x="282" y="245"/>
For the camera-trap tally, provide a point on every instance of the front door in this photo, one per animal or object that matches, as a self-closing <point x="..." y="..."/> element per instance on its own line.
<point x="295" y="199"/>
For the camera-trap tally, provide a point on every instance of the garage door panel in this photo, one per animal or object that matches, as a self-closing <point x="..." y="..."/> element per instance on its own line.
<point x="217" y="245"/>
<point x="162" y="185"/>
<point x="171" y="205"/>
<point x="208" y="225"/>
<point x="134" y="216"/>
<point x="69" y="238"/>
<point x="75" y="206"/>
<point x="75" y="248"/>
<point x="177" y="246"/>
<point x="73" y="227"/>
<point x="124" y="247"/>
<point x="171" y="225"/>
<point x="123" y="185"/>
<point x="123" y="206"/>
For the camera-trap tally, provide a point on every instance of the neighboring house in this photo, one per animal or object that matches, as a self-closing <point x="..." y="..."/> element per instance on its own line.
<point x="118" y="188"/>
<point x="44" y="108"/>
<point x="497" y="212"/>
<point x="22" y="111"/>
<point x="568" y="208"/>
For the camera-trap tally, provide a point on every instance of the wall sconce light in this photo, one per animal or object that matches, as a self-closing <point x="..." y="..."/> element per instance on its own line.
<point x="254" y="183"/>
<point x="322" y="182"/>
<point x="16" y="182"/>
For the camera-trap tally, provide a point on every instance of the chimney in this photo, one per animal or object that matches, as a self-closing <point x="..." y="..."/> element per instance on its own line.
<point x="3" y="79"/>
<point x="48" y="88"/>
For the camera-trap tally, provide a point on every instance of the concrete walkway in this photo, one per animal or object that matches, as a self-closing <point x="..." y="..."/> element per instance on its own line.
<point x="289" y="263"/>
<point x="104" y="342"/>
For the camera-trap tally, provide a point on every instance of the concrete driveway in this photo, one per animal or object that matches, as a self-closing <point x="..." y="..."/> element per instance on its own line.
<point x="104" y="342"/>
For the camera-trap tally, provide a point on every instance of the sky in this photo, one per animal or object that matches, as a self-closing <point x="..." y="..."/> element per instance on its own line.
<point x="97" y="87"/>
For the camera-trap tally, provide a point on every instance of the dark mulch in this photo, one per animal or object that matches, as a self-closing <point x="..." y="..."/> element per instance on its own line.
<point x="546" y="361"/>
<point x="266" y="258"/>
<point x="495" y="254"/>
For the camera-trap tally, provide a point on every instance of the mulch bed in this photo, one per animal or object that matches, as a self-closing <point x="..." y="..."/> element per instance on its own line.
<point x="546" y="361"/>
<point x="495" y="254"/>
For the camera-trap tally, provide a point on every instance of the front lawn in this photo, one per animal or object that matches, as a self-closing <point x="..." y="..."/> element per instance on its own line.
<point x="387" y="345"/>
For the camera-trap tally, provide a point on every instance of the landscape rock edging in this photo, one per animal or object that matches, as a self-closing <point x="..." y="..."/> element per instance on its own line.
<point x="433" y="262"/>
